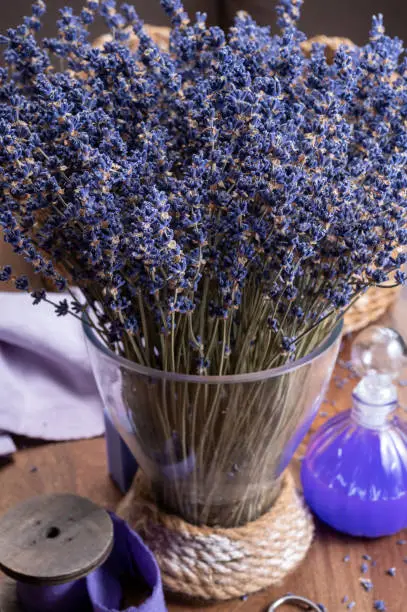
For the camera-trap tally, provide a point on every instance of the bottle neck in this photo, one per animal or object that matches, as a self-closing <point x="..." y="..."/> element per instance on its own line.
<point x="374" y="401"/>
<point x="371" y="416"/>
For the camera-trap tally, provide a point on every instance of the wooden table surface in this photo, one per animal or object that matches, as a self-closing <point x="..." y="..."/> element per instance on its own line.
<point x="80" y="467"/>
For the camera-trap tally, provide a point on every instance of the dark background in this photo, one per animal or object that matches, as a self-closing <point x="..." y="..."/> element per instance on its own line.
<point x="350" y="18"/>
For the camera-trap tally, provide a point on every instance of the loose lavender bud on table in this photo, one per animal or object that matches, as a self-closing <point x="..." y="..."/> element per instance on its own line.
<point x="366" y="583"/>
<point x="391" y="571"/>
<point x="379" y="605"/>
<point x="364" y="568"/>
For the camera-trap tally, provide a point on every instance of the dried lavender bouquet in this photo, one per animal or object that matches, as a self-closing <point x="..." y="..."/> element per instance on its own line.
<point x="220" y="205"/>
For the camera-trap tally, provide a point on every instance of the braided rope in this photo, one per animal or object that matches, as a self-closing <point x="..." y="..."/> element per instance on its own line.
<point x="216" y="563"/>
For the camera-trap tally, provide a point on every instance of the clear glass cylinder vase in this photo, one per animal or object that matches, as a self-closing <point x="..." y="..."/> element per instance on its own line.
<point x="213" y="447"/>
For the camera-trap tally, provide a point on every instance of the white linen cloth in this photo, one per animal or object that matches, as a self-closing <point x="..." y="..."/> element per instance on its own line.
<point x="47" y="389"/>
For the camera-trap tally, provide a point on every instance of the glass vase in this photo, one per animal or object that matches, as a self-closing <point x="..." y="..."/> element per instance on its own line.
<point x="213" y="447"/>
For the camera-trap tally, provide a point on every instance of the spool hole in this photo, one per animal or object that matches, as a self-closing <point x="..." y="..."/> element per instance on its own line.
<point x="53" y="532"/>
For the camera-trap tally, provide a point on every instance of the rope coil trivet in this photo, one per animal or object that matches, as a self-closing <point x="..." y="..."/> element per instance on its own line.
<point x="222" y="563"/>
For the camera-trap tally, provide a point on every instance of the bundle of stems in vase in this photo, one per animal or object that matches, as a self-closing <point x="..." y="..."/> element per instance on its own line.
<point x="220" y="205"/>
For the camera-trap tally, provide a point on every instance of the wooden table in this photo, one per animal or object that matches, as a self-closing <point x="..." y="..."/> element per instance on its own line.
<point x="80" y="467"/>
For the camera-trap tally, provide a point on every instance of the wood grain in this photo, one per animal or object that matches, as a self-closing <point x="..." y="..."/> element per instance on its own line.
<point x="80" y="467"/>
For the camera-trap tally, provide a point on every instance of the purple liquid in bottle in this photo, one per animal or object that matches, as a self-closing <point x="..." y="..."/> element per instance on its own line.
<point x="355" y="477"/>
<point x="354" y="474"/>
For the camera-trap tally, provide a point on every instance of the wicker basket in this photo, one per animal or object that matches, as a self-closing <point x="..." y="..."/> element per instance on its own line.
<point x="370" y="307"/>
<point x="375" y="302"/>
<point x="160" y="35"/>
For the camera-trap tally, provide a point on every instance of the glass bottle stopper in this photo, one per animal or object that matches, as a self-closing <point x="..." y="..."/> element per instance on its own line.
<point x="378" y="356"/>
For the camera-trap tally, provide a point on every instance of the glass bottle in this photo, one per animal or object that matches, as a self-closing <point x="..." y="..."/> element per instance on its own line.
<point x="354" y="474"/>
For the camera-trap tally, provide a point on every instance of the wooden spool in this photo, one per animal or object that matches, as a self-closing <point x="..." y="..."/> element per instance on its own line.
<point x="54" y="539"/>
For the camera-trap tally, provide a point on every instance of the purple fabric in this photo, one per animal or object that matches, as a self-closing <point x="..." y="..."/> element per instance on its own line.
<point x="61" y="598"/>
<point x="101" y="591"/>
<point x="130" y="560"/>
<point x="47" y="389"/>
<point x="121" y="463"/>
